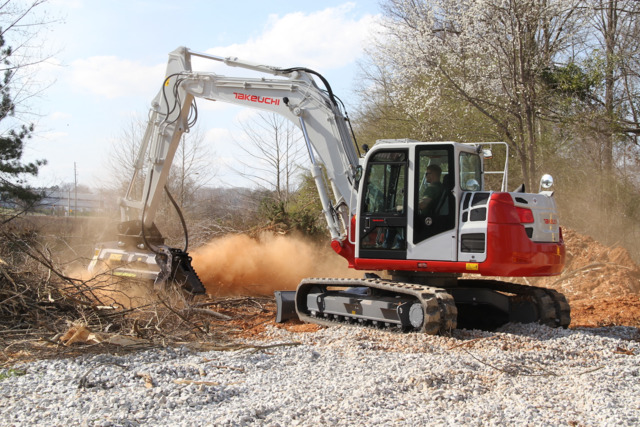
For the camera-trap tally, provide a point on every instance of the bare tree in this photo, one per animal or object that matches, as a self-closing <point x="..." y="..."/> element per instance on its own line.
<point x="274" y="154"/>
<point x="120" y="162"/>
<point x="615" y="49"/>
<point x="190" y="170"/>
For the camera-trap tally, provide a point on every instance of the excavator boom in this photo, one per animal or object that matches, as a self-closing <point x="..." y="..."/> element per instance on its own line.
<point x="292" y="92"/>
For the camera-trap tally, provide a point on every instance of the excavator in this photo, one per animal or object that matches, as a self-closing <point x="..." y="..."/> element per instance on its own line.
<point x="415" y="216"/>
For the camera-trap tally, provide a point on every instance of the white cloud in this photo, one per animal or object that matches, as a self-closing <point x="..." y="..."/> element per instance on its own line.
<point x="59" y="116"/>
<point x="246" y="114"/>
<point x="112" y="77"/>
<point x="53" y="136"/>
<point x="218" y="135"/>
<point x="325" y="40"/>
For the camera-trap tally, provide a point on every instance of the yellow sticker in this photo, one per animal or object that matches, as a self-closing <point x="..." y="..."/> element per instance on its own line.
<point x="115" y="257"/>
<point x="123" y="274"/>
<point x="472" y="266"/>
<point x="166" y="82"/>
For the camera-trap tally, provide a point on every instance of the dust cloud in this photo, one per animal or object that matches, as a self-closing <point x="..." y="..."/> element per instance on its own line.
<point x="241" y="265"/>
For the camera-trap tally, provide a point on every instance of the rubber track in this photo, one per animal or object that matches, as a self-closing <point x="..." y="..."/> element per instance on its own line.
<point x="553" y="308"/>
<point x="563" y="310"/>
<point x="440" y="312"/>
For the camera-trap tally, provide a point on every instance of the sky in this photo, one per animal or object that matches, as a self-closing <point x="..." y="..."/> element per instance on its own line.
<point x="110" y="57"/>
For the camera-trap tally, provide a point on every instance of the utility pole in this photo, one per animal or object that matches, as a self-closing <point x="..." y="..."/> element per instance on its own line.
<point x="75" y="190"/>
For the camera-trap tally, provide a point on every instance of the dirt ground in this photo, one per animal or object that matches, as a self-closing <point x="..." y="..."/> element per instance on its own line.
<point x="602" y="283"/>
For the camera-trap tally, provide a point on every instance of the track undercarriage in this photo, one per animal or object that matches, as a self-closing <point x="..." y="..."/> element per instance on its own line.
<point x="393" y="304"/>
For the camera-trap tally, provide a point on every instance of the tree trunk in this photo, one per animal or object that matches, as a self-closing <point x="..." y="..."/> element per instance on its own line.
<point x="610" y="45"/>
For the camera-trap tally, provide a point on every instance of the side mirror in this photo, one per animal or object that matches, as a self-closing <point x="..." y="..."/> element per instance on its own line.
<point x="472" y="185"/>
<point x="358" y="176"/>
<point x="546" y="182"/>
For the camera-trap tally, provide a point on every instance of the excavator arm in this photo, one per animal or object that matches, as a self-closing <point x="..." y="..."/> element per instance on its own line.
<point x="295" y="96"/>
<point x="292" y="93"/>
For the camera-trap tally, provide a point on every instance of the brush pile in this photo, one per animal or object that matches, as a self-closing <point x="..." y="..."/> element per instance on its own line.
<point x="44" y="312"/>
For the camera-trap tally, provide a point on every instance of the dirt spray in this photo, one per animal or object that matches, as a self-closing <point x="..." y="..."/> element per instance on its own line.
<point x="241" y="265"/>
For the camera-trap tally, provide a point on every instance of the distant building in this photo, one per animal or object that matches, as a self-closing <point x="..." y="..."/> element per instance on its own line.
<point x="66" y="202"/>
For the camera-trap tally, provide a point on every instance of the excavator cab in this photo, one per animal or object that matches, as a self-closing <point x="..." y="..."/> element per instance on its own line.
<point x="394" y="226"/>
<point x="423" y="207"/>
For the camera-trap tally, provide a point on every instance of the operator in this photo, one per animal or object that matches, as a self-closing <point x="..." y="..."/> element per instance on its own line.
<point x="433" y="191"/>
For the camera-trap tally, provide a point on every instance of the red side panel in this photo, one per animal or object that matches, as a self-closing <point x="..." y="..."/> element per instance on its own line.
<point x="510" y="253"/>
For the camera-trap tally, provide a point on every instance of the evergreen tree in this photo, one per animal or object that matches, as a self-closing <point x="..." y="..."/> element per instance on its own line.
<point x="12" y="170"/>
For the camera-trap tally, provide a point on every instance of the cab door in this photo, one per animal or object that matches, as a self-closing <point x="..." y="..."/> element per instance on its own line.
<point x="383" y="210"/>
<point x="434" y="232"/>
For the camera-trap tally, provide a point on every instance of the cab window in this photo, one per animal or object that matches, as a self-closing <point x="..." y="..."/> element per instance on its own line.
<point x="470" y="172"/>
<point x="383" y="219"/>
<point x="384" y="189"/>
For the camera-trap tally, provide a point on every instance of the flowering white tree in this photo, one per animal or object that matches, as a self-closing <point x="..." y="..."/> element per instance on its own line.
<point x="615" y="55"/>
<point x="487" y="55"/>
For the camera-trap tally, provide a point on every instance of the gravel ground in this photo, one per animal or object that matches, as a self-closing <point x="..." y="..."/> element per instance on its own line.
<point x="521" y="375"/>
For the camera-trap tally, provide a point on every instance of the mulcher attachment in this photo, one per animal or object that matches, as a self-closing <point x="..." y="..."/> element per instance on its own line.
<point x="175" y="266"/>
<point x="131" y="258"/>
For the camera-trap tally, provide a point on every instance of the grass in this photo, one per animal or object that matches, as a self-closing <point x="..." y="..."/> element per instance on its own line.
<point x="11" y="373"/>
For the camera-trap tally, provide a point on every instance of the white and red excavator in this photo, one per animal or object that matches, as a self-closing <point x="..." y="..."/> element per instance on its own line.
<point x="419" y="211"/>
